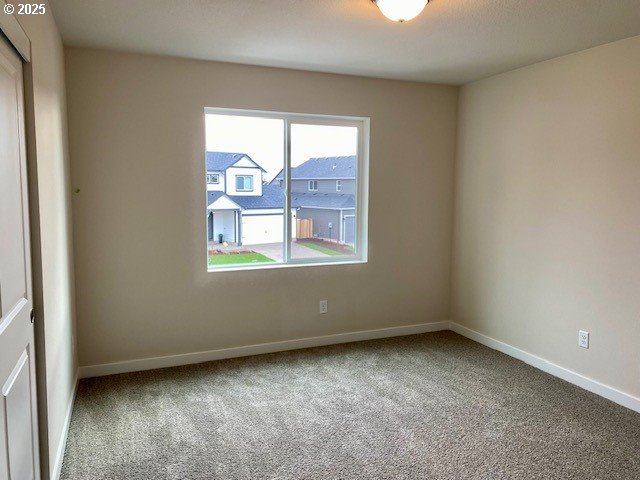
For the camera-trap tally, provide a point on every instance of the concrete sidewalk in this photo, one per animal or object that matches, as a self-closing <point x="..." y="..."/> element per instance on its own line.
<point x="274" y="251"/>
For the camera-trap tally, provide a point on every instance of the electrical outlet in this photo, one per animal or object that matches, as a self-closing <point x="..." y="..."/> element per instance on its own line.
<point x="583" y="339"/>
<point x="324" y="306"/>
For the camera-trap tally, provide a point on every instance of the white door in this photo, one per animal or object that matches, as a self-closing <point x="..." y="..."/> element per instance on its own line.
<point x="18" y="419"/>
<point x="257" y="229"/>
<point x="224" y="222"/>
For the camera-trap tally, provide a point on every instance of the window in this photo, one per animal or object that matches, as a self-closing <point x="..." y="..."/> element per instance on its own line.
<point x="244" y="183"/>
<point x="213" y="178"/>
<point x="286" y="221"/>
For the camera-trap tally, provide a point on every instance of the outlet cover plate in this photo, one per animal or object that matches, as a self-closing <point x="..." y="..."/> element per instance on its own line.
<point x="324" y="306"/>
<point x="583" y="339"/>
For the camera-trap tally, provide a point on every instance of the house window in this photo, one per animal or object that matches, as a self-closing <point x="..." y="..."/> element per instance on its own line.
<point x="282" y="223"/>
<point x="213" y="178"/>
<point x="244" y="183"/>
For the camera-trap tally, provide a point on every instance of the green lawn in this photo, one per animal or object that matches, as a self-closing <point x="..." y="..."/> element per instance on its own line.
<point x="237" y="259"/>
<point x="320" y="248"/>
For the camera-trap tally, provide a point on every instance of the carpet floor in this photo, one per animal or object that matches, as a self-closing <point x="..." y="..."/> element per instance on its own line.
<point x="431" y="406"/>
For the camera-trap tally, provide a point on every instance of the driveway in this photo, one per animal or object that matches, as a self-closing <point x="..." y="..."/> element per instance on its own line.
<point x="274" y="251"/>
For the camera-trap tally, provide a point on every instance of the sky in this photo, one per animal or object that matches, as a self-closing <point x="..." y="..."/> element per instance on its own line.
<point x="263" y="140"/>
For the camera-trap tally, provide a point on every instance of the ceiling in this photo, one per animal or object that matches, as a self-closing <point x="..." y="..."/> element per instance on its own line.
<point x="452" y="41"/>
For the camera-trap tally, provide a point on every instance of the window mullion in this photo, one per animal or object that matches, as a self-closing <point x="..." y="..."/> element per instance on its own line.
<point x="287" y="192"/>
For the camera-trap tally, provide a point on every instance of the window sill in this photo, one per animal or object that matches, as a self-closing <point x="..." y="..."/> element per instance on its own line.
<point x="324" y="263"/>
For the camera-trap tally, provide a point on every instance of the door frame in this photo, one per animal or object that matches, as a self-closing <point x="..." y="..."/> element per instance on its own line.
<point x="14" y="43"/>
<point x="15" y="34"/>
<point x="17" y="37"/>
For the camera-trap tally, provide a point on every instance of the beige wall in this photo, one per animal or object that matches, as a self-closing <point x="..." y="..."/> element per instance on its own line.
<point x="547" y="229"/>
<point x="137" y="144"/>
<point x="51" y="229"/>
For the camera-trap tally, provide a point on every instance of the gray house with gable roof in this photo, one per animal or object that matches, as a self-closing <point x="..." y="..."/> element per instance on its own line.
<point x="247" y="211"/>
<point x="324" y="190"/>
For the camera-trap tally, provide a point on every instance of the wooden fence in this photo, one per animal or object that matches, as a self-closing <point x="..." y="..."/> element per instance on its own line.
<point x="304" y="228"/>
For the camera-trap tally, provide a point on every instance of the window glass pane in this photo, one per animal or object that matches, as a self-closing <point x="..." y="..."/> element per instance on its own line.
<point x="323" y="218"/>
<point x="245" y="207"/>
<point x="244" y="183"/>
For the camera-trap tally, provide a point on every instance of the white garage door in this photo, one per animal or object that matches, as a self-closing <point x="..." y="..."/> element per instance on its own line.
<point x="258" y="229"/>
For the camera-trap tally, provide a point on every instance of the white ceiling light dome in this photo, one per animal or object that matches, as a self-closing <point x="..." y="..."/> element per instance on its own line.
<point x="401" y="10"/>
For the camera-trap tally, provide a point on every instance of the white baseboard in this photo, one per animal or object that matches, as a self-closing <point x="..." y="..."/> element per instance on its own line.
<point x="245" y="351"/>
<point x="570" y="376"/>
<point x="57" y="466"/>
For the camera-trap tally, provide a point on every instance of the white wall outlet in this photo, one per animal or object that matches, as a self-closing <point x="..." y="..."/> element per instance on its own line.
<point x="583" y="339"/>
<point x="324" y="306"/>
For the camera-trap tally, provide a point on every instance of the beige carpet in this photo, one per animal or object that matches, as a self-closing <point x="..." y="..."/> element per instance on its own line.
<point x="432" y="406"/>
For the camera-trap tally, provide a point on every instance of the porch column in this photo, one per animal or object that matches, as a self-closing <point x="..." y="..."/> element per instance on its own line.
<point x="238" y="222"/>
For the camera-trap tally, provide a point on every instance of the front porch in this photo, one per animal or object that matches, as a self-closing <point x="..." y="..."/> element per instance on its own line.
<point x="226" y="223"/>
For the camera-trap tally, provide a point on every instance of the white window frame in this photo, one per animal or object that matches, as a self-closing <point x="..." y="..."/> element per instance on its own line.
<point x="313" y="182"/>
<point x="212" y="175"/>
<point x="338" y="185"/>
<point x="362" y="124"/>
<point x="250" y="177"/>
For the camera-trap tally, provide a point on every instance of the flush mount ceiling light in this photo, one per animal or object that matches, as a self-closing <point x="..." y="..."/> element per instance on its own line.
<point x="401" y="10"/>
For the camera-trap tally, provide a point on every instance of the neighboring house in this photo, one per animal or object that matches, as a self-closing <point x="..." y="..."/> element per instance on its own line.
<point x="324" y="190"/>
<point x="240" y="206"/>
<point x="247" y="211"/>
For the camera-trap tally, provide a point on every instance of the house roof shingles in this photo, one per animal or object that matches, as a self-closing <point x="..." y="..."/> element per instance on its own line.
<point x="272" y="197"/>
<point x="322" y="200"/>
<point x="220" y="161"/>
<point x="212" y="196"/>
<point x="325" y="167"/>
